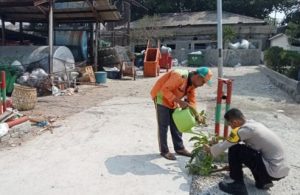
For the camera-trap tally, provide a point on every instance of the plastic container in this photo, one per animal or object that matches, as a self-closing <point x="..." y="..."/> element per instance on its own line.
<point x="151" y="69"/>
<point x="151" y="62"/>
<point x="195" y="59"/>
<point x="165" y="61"/>
<point x="101" y="77"/>
<point x="184" y="119"/>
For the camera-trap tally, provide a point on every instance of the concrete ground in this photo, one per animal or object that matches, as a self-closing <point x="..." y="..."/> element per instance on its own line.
<point x="111" y="148"/>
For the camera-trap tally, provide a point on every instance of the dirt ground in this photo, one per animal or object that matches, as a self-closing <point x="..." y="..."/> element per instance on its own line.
<point x="90" y="96"/>
<point x="249" y="87"/>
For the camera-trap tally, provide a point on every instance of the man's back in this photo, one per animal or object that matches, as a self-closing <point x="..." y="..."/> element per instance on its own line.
<point x="262" y="139"/>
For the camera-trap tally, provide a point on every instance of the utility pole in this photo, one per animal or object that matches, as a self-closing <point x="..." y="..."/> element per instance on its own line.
<point x="220" y="39"/>
<point x="50" y="36"/>
<point x="3" y="31"/>
<point x="128" y="9"/>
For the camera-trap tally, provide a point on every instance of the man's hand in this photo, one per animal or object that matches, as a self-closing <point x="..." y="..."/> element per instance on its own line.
<point x="206" y="148"/>
<point x="182" y="104"/>
<point x="213" y="141"/>
<point x="201" y="119"/>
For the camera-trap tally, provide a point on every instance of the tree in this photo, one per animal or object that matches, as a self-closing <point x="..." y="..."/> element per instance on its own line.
<point x="228" y="34"/>
<point x="254" y="8"/>
<point x="148" y="28"/>
<point x="293" y="23"/>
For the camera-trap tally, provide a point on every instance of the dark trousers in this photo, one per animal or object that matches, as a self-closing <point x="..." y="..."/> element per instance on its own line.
<point x="240" y="154"/>
<point x="165" y="120"/>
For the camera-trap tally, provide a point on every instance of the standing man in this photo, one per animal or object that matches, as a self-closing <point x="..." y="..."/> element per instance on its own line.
<point x="254" y="145"/>
<point x="175" y="89"/>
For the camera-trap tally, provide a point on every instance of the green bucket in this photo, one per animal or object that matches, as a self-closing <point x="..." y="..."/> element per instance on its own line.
<point x="184" y="119"/>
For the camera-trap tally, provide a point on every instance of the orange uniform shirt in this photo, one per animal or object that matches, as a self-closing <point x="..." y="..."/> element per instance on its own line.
<point x="173" y="85"/>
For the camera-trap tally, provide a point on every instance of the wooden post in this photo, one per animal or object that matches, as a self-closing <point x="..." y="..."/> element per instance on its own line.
<point x="3" y="31"/>
<point x="96" y="46"/>
<point x="90" y="44"/>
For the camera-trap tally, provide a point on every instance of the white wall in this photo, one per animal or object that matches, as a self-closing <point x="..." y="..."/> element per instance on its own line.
<point x="281" y="41"/>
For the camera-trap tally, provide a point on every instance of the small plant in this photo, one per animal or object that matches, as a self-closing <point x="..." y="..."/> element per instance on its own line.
<point x="201" y="163"/>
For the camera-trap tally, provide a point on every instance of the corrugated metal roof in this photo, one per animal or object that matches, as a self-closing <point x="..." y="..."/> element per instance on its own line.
<point x="64" y="11"/>
<point x="276" y="36"/>
<point x="200" y="18"/>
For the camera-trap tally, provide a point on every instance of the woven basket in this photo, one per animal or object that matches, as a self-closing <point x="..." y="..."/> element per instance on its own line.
<point x="24" y="98"/>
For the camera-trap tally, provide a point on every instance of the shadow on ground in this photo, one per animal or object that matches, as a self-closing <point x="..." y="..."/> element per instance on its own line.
<point x="142" y="165"/>
<point x="135" y="164"/>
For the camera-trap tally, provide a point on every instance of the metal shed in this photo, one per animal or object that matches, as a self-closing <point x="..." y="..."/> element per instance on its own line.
<point x="58" y="11"/>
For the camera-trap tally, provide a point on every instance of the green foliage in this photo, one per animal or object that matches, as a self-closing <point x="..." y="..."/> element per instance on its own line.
<point x="283" y="61"/>
<point x="228" y="34"/>
<point x="293" y="31"/>
<point x="201" y="163"/>
<point x="148" y="28"/>
<point x="274" y="59"/>
<point x="254" y="8"/>
<point x="293" y="60"/>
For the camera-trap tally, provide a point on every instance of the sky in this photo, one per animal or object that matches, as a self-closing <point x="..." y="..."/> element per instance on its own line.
<point x="279" y="16"/>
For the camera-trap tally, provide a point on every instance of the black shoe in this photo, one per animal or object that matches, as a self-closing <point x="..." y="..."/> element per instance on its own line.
<point x="265" y="186"/>
<point x="236" y="188"/>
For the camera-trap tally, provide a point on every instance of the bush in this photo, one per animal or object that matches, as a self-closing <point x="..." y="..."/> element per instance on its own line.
<point x="283" y="61"/>
<point x="274" y="58"/>
<point x="294" y="64"/>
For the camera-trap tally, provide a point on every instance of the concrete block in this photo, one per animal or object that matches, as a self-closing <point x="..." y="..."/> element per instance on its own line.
<point x="290" y="86"/>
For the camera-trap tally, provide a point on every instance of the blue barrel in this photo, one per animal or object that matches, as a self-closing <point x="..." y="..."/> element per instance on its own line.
<point x="100" y="77"/>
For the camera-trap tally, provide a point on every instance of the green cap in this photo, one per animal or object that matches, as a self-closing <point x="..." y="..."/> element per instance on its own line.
<point x="205" y="73"/>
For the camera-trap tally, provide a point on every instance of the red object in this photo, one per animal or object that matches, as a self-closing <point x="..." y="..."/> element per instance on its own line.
<point x="227" y="97"/>
<point x="228" y="102"/>
<point x="165" y="61"/>
<point x="219" y="102"/>
<point x="151" y="61"/>
<point x="3" y="91"/>
<point x="9" y="103"/>
<point x="17" y="121"/>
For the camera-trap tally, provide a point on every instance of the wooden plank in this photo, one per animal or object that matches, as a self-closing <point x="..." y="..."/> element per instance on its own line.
<point x="89" y="73"/>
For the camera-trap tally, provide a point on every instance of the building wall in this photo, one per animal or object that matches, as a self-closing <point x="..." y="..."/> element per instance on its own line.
<point x="232" y="57"/>
<point x="283" y="42"/>
<point x="193" y="38"/>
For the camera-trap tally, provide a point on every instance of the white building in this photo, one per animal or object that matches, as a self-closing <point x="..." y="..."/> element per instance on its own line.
<point x="281" y="40"/>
